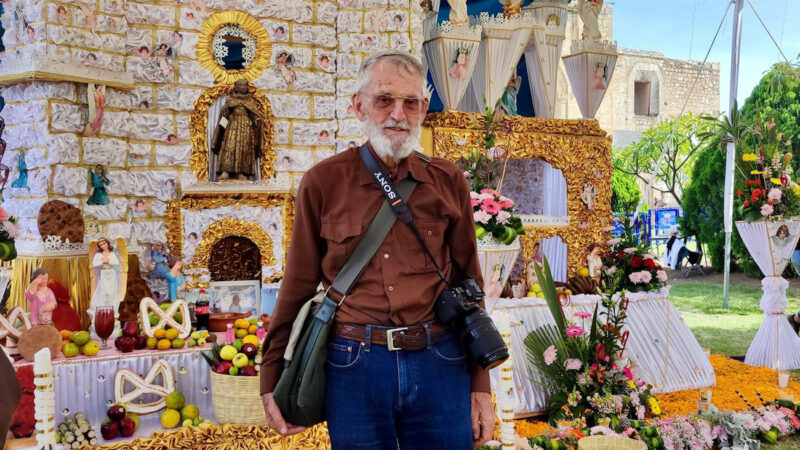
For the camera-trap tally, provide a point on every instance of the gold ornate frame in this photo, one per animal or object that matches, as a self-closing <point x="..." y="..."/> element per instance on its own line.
<point x="229" y="226"/>
<point x="580" y="148"/>
<point x="205" y="54"/>
<point x="198" y="125"/>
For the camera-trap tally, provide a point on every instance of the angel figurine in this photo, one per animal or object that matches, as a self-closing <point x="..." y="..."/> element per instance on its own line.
<point x="109" y="273"/>
<point x="589" y="11"/>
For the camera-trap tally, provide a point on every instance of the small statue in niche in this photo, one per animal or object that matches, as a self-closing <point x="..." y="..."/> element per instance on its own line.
<point x="99" y="182"/>
<point x="594" y="262"/>
<point x="458" y="11"/>
<point x="109" y="275"/>
<point x="158" y="257"/>
<point x="426" y="5"/>
<point x="176" y="282"/>
<point x="509" y="100"/>
<point x="237" y="138"/>
<point x="41" y="299"/>
<point x="22" y="180"/>
<point x="589" y="11"/>
<point x="588" y="195"/>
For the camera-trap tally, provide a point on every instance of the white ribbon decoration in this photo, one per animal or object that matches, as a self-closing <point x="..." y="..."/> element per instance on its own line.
<point x="144" y="387"/>
<point x="148" y="305"/>
<point x="12" y="333"/>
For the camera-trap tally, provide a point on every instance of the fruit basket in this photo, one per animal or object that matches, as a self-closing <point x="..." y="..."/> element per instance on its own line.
<point x="600" y="442"/>
<point x="237" y="400"/>
<point x="218" y="322"/>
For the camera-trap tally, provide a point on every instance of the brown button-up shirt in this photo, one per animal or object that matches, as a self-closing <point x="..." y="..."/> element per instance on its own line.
<point x="336" y="203"/>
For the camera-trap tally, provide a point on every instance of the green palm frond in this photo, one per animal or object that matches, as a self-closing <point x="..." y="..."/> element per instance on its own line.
<point x="549" y="291"/>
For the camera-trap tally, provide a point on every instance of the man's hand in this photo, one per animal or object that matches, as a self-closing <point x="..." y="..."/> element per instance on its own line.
<point x="275" y="418"/>
<point x="483" y="417"/>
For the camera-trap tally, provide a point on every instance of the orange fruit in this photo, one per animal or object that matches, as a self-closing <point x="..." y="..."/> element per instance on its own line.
<point x="151" y="343"/>
<point x="159" y="333"/>
<point x="252" y="329"/>
<point x="240" y="333"/>
<point x="171" y="334"/>
<point x="241" y="323"/>
<point x="65" y="334"/>
<point x="164" y="344"/>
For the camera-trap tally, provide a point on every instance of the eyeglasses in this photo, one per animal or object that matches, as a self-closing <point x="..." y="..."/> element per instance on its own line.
<point x="385" y="103"/>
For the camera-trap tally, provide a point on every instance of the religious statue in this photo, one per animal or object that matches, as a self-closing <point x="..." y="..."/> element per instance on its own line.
<point x="159" y="258"/>
<point x="594" y="262"/>
<point x="458" y="11"/>
<point x="509" y="99"/>
<point x="588" y="195"/>
<point x="99" y="182"/>
<point x="237" y="140"/>
<point x="589" y="10"/>
<point x="600" y="81"/>
<point x="176" y="282"/>
<point x="109" y="273"/>
<point x="458" y="69"/>
<point x="22" y="180"/>
<point x="41" y="300"/>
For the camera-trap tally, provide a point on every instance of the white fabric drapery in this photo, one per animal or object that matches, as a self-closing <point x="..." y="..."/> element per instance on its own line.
<point x="584" y="76"/>
<point x="661" y="344"/>
<point x="444" y="45"/>
<point x="555" y="192"/>
<point x="555" y="250"/>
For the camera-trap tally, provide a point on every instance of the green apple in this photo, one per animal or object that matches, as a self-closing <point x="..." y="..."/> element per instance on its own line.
<point x="196" y="335"/>
<point x="197" y="421"/>
<point x="191" y="342"/>
<point x="233" y="371"/>
<point x="240" y="360"/>
<point x="238" y="344"/>
<point x="201" y="341"/>
<point x="188" y="423"/>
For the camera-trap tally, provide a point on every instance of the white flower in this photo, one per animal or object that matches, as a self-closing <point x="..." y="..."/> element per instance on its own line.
<point x="482" y="216"/>
<point x="661" y="275"/>
<point x="473" y="194"/>
<point x="774" y="194"/>
<point x="503" y="216"/>
<point x="612" y="242"/>
<point x="766" y="209"/>
<point x="630" y="250"/>
<point x="648" y="256"/>
<point x="550" y="355"/>
<point x="572" y="364"/>
<point x="485" y="196"/>
<point x="611" y="270"/>
<point x="11" y="228"/>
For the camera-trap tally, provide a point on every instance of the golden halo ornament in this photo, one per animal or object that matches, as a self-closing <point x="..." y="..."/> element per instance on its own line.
<point x="257" y="48"/>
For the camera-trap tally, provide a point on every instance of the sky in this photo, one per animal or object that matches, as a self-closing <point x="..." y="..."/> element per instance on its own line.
<point x="684" y="29"/>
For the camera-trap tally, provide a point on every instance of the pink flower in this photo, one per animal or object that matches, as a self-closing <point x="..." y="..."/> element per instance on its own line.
<point x="506" y="202"/>
<point x="503" y="216"/>
<point x="648" y="256"/>
<point x="481" y="216"/>
<point x="661" y="275"/>
<point x="550" y="355"/>
<point x="573" y="364"/>
<point x="645" y="276"/>
<point x="635" y="277"/>
<point x="11" y="228"/>
<point x="574" y="331"/>
<point x="774" y="194"/>
<point x="627" y="372"/>
<point x="582" y="315"/>
<point x="3" y="214"/>
<point x="767" y="210"/>
<point x="489" y="191"/>
<point x="611" y="270"/>
<point x="770" y="125"/>
<point x="614" y="241"/>
<point x="475" y="202"/>
<point x="491" y="206"/>
<point x="630" y="250"/>
<point x="609" y="228"/>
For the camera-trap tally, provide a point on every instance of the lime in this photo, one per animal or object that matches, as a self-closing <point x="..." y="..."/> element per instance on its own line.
<point x="233" y="371"/>
<point x="189" y="412"/>
<point x="153" y="319"/>
<point x="174" y="400"/>
<point x="238" y="344"/>
<point x="70" y="350"/>
<point x="178" y="343"/>
<point x="197" y="421"/>
<point x="79" y="338"/>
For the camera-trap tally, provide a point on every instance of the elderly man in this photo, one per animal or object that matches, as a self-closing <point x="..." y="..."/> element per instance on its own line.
<point x="377" y="397"/>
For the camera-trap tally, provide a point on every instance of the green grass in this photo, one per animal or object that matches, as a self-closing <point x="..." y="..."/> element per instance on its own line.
<point x="706" y="298"/>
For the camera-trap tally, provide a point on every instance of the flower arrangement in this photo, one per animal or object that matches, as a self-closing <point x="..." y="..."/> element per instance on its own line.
<point x="9" y="231"/>
<point x="628" y="266"/>
<point x="592" y="382"/>
<point x="493" y="213"/>
<point x="770" y="190"/>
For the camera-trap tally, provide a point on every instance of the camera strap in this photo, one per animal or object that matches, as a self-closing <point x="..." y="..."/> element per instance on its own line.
<point x="398" y="205"/>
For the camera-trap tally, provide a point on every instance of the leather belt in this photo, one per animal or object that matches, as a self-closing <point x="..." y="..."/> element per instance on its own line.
<point x="412" y="337"/>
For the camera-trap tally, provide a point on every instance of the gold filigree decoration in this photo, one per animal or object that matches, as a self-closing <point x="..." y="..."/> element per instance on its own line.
<point x="205" y="53"/>
<point x="232" y="227"/>
<point x="198" y="124"/>
<point x="579" y="148"/>
<point x="173" y="220"/>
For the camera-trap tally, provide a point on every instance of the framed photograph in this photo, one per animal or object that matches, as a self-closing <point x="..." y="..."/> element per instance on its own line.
<point x="235" y="297"/>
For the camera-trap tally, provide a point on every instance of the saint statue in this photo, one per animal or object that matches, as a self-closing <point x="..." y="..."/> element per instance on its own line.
<point x="108" y="271"/>
<point x="458" y="11"/>
<point x="589" y="10"/>
<point x="237" y="140"/>
<point x="509" y="99"/>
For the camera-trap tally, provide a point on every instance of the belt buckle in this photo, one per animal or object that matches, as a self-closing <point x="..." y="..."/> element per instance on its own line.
<point x="390" y="338"/>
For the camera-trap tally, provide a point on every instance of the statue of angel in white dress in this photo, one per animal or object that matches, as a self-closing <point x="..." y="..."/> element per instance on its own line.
<point x="108" y="269"/>
<point x="458" y="11"/>
<point x="589" y="10"/>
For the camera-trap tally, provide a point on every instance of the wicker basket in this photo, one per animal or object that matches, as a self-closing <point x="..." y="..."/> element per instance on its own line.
<point x="610" y="443"/>
<point x="237" y="400"/>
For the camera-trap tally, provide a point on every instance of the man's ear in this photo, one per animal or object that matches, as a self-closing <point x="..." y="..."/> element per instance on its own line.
<point x="358" y="105"/>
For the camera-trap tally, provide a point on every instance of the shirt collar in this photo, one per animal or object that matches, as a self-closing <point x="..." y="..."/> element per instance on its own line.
<point x="410" y="165"/>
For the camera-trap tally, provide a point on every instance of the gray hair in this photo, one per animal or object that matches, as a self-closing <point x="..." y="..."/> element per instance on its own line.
<point x="398" y="58"/>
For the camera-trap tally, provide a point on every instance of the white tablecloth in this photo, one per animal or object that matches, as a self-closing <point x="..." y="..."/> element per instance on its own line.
<point x="660" y="342"/>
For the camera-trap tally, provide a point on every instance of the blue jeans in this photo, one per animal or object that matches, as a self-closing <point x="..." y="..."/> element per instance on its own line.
<point x="379" y="399"/>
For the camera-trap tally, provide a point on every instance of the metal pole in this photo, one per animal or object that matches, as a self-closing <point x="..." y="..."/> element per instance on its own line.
<point x="731" y="149"/>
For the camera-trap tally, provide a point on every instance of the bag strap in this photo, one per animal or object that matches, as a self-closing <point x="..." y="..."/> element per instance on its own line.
<point x="398" y="205"/>
<point x="373" y="238"/>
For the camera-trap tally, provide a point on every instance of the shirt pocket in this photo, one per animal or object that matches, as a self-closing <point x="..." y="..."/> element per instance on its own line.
<point x="433" y="233"/>
<point x="341" y="238"/>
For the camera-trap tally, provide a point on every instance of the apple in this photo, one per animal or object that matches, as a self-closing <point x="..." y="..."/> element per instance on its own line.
<point x="109" y="430"/>
<point x="224" y="367"/>
<point x="116" y="342"/>
<point x="250" y="350"/>
<point x="240" y="360"/>
<point x="141" y="342"/>
<point x="248" y="371"/>
<point x="126" y="344"/>
<point x="130" y="329"/>
<point x="116" y="412"/>
<point x="127" y="427"/>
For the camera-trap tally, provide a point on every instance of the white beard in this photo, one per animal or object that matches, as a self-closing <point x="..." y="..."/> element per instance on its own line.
<point x="386" y="147"/>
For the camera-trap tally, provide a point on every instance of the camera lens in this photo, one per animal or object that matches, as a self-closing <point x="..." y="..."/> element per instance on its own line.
<point x="482" y="340"/>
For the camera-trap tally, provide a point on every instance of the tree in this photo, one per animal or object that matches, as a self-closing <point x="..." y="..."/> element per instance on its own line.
<point x="625" y="192"/>
<point x="681" y="145"/>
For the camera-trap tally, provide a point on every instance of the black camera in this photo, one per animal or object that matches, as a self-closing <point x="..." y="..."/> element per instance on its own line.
<point x="459" y="308"/>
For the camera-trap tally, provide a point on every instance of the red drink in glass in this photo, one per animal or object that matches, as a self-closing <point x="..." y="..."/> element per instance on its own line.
<point x="104" y="324"/>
